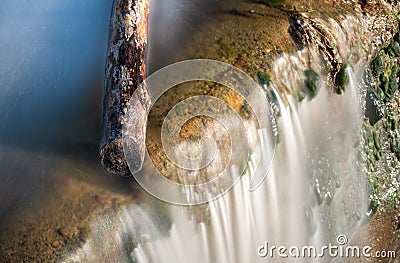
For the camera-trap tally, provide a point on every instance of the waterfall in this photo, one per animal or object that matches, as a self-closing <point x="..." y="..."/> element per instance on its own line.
<point x="315" y="194"/>
<point x="315" y="191"/>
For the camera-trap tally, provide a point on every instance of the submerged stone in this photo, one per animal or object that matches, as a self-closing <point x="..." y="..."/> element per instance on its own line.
<point x="313" y="82"/>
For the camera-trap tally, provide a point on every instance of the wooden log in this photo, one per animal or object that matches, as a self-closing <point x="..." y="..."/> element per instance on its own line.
<point x="125" y="71"/>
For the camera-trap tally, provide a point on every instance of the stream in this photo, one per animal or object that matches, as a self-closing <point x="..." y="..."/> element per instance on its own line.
<point x="53" y="64"/>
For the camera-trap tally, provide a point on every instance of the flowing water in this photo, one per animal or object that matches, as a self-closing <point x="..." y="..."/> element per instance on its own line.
<point x="315" y="191"/>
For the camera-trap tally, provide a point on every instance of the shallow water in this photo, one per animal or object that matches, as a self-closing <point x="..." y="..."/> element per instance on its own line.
<point x="52" y="59"/>
<point x="51" y="73"/>
<point x="52" y="69"/>
<point x="316" y="191"/>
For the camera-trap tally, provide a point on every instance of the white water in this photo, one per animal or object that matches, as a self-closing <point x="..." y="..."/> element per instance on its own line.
<point x="313" y="193"/>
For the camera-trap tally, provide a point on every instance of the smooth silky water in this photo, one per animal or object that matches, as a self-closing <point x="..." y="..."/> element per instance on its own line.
<point x="315" y="192"/>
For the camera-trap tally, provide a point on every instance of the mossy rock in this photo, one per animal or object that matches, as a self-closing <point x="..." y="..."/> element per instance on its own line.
<point x="377" y="141"/>
<point x="371" y="109"/>
<point x="313" y="82"/>
<point x="394" y="49"/>
<point x="392" y="84"/>
<point x="342" y="79"/>
<point x="377" y="67"/>
<point x="264" y="78"/>
<point x="394" y="123"/>
<point x="380" y="94"/>
<point x="397" y="37"/>
<point x="299" y="94"/>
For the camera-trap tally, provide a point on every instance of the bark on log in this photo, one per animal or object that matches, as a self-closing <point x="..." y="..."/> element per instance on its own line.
<point x="125" y="71"/>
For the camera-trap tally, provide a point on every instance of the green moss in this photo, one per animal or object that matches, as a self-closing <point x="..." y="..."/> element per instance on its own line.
<point x="377" y="66"/>
<point x="397" y="37"/>
<point x="394" y="123"/>
<point x="264" y="78"/>
<point x="377" y="141"/>
<point x="299" y="94"/>
<point x="379" y="93"/>
<point x="394" y="199"/>
<point x="313" y="82"/>
<point x="381" y="140"/>
<point x="342" y="79"/>
<point x="394" y="49"/>
<point x="392" y="85"/>
<point x="227" y="50"/>
<point x="84" y="232"/>
<point x="192" y="138"/>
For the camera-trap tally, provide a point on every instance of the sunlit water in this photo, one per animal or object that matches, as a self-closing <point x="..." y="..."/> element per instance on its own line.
<point x="314" y="192"/>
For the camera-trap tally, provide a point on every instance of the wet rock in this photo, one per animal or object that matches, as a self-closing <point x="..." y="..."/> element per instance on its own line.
<point x="394" y="49"/>
<point x="264" y="78"/>
<point x="371" y="109"/>
<point x="392" y="85"/>
<point x="342" y="79"/>
<point x="63" y="232"/>
<point x="397" y="37"/>
<point x="300" y="94"/>
<point x="395" y="147"/>
<point x="377" y="66"/>
<point x="313" y="82"/>
<point x="377" y="141"/>
<point x="394" y="123"/>
<point x="380" y="94"/>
